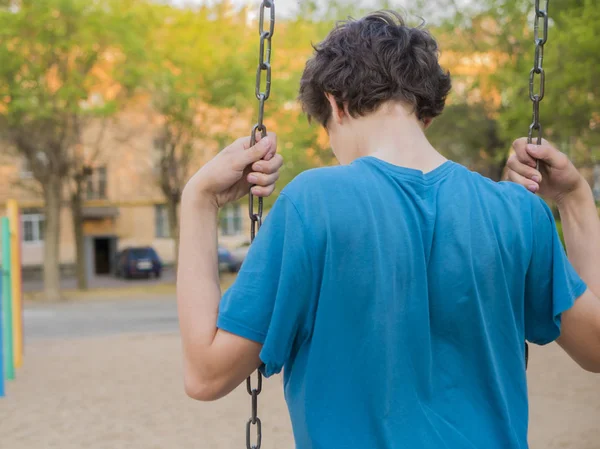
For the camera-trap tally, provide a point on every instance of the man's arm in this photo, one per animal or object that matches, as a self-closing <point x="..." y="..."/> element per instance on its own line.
<point x="580" y="336"/>
<point x="560" y="181"/>
<point x="215" y="361"/>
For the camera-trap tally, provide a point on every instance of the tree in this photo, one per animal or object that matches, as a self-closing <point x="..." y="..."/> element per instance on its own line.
<point x="503" y="30"/>
<point x="125" y="38"/>
<point x="81" y="168"/>
<point x="199" y="67"/>
<point x="467" y="134"/>
<point x="174" y="144"/>
<point x="51" y="52"/>
<point x="573" y="104"/>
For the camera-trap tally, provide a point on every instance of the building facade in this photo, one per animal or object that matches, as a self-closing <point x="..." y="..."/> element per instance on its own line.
<point x="123" y="205"/>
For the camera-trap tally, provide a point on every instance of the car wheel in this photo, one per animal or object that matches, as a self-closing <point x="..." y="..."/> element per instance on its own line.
<point x="158" y="274"/>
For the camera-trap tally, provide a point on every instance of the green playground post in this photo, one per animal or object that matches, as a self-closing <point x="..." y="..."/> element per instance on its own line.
<point x="7" y="330"/>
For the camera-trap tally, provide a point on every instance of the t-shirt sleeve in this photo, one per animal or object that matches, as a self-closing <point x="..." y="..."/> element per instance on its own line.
<point x="271" y="298"/>
<point x="552" y="284"/>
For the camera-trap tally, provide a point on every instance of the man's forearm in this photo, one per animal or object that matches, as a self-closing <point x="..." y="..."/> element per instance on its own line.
<point x="216" y="361"/>
<point x="198" y="289"/>
<point x="581" y="230"/>
<point x="580" y="330"/>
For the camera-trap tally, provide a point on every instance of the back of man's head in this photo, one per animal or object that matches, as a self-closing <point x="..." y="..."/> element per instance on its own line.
<point x="365" y="63"/>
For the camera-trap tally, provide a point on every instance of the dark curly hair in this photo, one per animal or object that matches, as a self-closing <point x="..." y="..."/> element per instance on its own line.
<point x="364" y="63"/>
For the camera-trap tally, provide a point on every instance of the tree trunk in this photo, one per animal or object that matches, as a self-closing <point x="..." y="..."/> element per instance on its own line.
<point x="77" y="213"/>
<point x="172" y="206"/>
<point x="52" y="197"/>
<point x="498" y="169"/>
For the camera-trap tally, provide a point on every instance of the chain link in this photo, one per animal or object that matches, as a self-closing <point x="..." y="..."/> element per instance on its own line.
<point x="540" y="37"/>
<point x="537" y="76"/>
<point x="256" y="213"/>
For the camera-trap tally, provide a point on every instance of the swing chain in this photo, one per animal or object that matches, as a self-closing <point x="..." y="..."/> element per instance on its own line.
<point x="540" y="36"/>
<point x="263" y="69"/>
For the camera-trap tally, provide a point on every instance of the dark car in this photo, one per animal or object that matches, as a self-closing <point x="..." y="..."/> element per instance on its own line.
<point x="141" y="261"/>
<point x="227" y="261"/>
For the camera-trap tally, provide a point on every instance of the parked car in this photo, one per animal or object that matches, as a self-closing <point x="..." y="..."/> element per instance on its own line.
<point x="227" y="261"/>
<point x="140" y="261"/>
<point x="239" y="253"/>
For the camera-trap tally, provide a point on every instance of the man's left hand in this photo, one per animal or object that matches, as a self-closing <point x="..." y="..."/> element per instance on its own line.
<point x="231" y="173"/>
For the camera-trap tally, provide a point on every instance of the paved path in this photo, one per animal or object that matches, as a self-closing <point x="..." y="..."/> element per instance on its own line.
<point x="107" y="375"/>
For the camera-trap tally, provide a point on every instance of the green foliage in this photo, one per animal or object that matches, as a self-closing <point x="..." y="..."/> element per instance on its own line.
<point x="570" y="111"/>
<point x="57" y="60"/>
<point x="559" y="229"/>
<point x="54" y="54"/>
<point x="66" y="63"/>
<point x="185" y="58"/>
<point x="466" y="133"/>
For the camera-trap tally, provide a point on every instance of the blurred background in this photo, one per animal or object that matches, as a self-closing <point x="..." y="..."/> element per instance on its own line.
<point x="107" y="107"/>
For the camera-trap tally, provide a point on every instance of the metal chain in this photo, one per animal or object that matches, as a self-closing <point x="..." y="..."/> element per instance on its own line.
<point x="267" y="10"/>
<point x="540" y="37"/>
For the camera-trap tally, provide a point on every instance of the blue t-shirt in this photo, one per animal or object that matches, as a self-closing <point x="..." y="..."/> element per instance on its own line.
<point x="398" y="304"/>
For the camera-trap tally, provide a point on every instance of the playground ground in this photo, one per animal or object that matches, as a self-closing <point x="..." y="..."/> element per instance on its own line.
<point x="106" y="374"/>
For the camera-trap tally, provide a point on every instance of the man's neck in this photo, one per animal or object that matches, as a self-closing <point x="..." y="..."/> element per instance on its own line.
<point x="396" y="136"/>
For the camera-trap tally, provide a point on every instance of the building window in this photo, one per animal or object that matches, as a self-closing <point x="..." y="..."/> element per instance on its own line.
<point x="25" y="172"/>
<point x="231" y="220"/>
<point x="26" y="169"/>
<point x="163" y="231"/>
<point x="96" y="184"/>
<point x="32" y="222"/>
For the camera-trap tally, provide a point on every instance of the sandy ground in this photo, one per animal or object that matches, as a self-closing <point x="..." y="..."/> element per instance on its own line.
<point x="126" y="392"/>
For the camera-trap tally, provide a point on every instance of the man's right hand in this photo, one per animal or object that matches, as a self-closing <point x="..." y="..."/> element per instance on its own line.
<point x="559" y="180"/>
<point x="557" y="177"/>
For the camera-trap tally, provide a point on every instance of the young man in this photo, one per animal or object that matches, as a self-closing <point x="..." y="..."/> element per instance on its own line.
<point x="396" y="290"/>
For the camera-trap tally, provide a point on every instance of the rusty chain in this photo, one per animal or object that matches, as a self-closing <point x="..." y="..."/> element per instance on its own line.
<point x="263" y="69"/>
<point x="540" y="37"/>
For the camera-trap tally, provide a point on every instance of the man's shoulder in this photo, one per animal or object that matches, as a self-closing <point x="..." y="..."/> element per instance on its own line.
<point x="317" y="182"/>
<point x="507" y="201"/>
<point x="515" y="193"/>
<point x="522" y="197"/>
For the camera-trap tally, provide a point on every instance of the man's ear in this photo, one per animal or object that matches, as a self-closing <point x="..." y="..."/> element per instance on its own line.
<point x="337" y="114"/>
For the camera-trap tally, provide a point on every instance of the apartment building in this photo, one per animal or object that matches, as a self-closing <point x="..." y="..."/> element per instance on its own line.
<point x="123" y="205"/>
